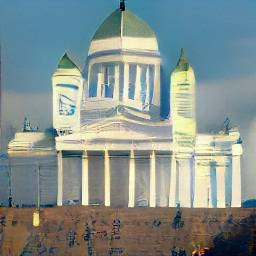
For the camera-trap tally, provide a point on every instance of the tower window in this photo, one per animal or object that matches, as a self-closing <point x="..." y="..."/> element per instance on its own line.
<point x="143" y="82"/>
<point x="132" y="79"/>
<point x="152" y="73"/>
<point x="93" y="80"/>
<point x="109" y="80"/>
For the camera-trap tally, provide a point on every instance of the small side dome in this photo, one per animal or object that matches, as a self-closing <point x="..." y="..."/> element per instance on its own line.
<point x="67" y="66"/>
<point x="183" y="64"/>
<point x="66" y="63"/>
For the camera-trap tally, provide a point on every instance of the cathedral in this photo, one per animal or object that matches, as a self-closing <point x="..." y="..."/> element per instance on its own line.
<point x="112" y="146"/>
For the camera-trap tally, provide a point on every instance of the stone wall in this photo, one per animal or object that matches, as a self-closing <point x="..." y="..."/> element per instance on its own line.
<point x="77" y="230"/>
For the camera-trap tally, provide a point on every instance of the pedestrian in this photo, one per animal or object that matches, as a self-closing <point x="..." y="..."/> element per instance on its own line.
<point x="174" y="251"/>
<point x="182" y="252"/>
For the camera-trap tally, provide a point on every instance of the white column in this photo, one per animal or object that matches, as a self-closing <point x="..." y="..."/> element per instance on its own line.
<point x="236" y="182"/>
<point x="201" y="193"/>
<point x="137" y="95"/>
<point x="126" y="81"/>
<point x="131" y="180"/>
<point x="116" y="86"/>
<point x="156" y="96"/>
<point x="85" y="179"/>
<point x="88" y="83"/>
<point x="173" y="185"/>
<point x="100" y="83"/>
<point x="203" y="186"/>
<point x="107" y="178"/>
<point x="209" y="188"/>
<point x="38" y="186"/>
<point x="147" y="86"/>
<point x="152" y="200"/>
<point x="60" y="179"/>
<point x="184" y="182"/>
<point x="221" y="187"/>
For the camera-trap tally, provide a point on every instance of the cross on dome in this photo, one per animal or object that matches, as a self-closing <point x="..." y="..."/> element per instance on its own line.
<point x="122" y="5"/>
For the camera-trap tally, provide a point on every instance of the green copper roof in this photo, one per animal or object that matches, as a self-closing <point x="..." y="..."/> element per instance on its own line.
<point x="66" y="62"/>
<point x="123" y="23"/>
<point x="182" y="64"/>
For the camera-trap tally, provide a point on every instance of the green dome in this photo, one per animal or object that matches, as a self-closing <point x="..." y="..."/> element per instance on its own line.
<point x="123" y="24"/>
<point x="66" y="63"/>
<point x="183" y="64"/>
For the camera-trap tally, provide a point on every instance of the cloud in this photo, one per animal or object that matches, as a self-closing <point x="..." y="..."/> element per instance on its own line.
<point x="234" y="98"/>
<point x="218" y="99"/>
<point x="36" y="106"/>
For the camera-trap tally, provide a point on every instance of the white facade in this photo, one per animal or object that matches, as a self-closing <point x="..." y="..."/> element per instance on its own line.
<point x="114" y="131"/>
<point x="121" y="112"/>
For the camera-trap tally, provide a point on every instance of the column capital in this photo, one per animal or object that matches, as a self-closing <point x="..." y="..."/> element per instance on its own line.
<point x="85" y="154"/>
<point x="132" y="155"/>
<point x="237" y="150"/>
<point x="153" y="153"/>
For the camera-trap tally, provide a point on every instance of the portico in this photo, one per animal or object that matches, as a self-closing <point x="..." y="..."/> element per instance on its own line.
<point x="125" y="143"/>
<point x="149" y="156"/>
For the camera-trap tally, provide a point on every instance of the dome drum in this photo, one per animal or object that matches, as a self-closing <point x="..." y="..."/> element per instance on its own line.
<point x="124" y="63"/>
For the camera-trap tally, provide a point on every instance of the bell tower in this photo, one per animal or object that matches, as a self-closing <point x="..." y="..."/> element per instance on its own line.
<point x="67" y="86"/>
<point x="182" y="109"/>
<point x="182" y="104"/>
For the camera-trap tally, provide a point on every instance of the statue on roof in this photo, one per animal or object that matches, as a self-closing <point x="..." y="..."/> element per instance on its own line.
<point x="27" y="126"/>
<point x="226" y="125"/>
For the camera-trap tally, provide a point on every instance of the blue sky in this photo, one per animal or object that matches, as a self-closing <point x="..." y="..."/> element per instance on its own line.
<point x="219" y="38"/>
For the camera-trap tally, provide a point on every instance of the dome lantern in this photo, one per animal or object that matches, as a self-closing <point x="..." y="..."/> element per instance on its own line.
<point x="122" y="5"/>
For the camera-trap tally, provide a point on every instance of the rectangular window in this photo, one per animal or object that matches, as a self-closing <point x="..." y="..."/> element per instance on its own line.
<point x="132" y="79"/>
<point x="121" y="80"/>
<point x="152" y="74"/>
<point x="94" y="80"/>
<point x="143" y="82"/>
<point x="109" y="80"/>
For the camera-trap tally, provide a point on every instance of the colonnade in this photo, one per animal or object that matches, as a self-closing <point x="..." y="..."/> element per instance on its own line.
<point x="193" y="183"/>
<point x="181" y="181"/>
<point x="217" y="182"/>
<point x="107" y="179"/>
<point x="126" y="82"/>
